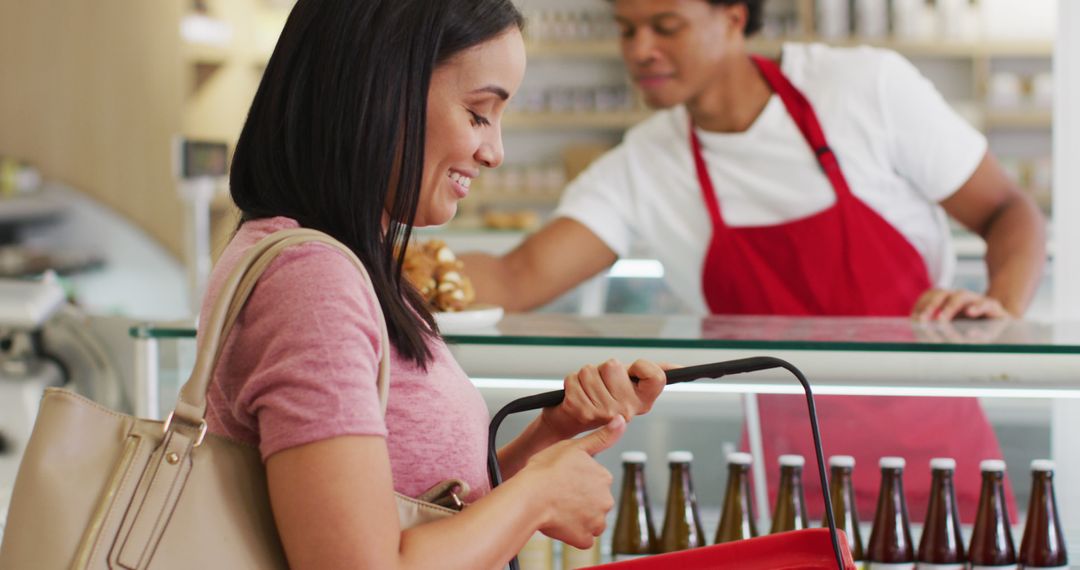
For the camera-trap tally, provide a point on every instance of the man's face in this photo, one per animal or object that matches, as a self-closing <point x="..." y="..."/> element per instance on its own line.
<point x="672" y="47"/>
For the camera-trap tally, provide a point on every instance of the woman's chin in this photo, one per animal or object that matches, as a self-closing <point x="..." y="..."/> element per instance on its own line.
<point x="435" y="218"/>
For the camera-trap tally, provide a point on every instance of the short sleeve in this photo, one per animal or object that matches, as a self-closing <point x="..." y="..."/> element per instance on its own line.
<point x="931" y="145"/>
<point x="311" y="337"/>
<point x="599" y="198"/>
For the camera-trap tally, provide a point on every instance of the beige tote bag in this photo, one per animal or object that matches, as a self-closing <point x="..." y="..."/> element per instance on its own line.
<point x="101" y="490"/>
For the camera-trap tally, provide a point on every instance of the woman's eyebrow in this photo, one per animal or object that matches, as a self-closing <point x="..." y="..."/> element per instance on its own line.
<point x="494" y="89"/>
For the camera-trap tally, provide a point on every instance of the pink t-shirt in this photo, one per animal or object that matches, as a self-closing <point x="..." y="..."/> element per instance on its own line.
<point x="300" y="366"/>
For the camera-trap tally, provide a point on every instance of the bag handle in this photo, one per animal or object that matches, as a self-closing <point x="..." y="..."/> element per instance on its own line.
<point x="191" y="403"/>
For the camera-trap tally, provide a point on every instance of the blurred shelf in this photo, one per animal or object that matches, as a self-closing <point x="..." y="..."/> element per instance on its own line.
<point x="205" y="54"/>
<point x="522" y="198"/>
<point x="574" y="48"/>
<point x="615" y="120"/>
<point x="925" y="48"/>
<point x="29" y="208"/>
<point x="1018" y="118"/>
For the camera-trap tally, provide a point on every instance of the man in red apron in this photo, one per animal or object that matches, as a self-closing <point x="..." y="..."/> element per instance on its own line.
<point x="850" y="262"/>
<point x="842" y="259"/>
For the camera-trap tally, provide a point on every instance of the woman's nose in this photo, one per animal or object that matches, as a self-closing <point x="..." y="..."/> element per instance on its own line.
<point x="490" y="153"/>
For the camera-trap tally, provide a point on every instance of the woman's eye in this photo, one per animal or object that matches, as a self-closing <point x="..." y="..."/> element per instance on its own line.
<point x="626" y="32"/>
<point x="479" y="120"/>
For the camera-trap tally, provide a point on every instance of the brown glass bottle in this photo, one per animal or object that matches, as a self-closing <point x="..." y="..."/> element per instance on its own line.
<point x="790" y="510"/>
<point x="842" y="495"/>
<point x="1043" y="545"/>
<point x="682" y="525"/>
<point x="991" y="539"/>
<point x="737" y="518"/>
<point x="942" y="545"/>
<point x="890" y="539"/>
<point x="634" y="535"/>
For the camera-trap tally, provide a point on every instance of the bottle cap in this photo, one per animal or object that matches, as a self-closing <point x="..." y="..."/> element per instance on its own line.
<point x="992" y="465"/>
<point x="943" y="463"/>
<point x="680" y="457"/>
<point x="792" y="460"/>
<point x="740" y="458"/>
<point x="892" y="463"/>
<point x="1042" y="465"/>
<point x="634" y="457"/>
<point x="846" y="461"/>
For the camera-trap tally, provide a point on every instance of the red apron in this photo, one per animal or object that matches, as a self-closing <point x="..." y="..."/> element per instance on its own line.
<point x="844" y="260"/>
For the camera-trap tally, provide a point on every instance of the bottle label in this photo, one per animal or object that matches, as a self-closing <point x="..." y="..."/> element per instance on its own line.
<point x="889" y="566"/>
<point x="621" y="557"/>
<point x="999" y="567"/>
<point x="926" y="566"/>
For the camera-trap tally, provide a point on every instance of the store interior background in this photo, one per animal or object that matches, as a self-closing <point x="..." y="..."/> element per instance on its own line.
<point x="94" y="96"/>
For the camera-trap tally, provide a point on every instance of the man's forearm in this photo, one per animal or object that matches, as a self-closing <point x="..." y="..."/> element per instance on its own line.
<point x="493" y="281"/>
<point x="1015" y="253"/>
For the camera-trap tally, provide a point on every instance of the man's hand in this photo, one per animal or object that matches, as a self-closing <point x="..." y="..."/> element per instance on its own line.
<point x="949" y="304"/>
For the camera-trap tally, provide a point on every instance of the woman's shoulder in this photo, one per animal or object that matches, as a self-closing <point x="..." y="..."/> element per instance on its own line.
<point x="301" y="279"/>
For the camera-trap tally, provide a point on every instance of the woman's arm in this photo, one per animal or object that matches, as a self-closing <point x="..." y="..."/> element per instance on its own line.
<point x="594" y="396"/>
<point x="334" y="506"/>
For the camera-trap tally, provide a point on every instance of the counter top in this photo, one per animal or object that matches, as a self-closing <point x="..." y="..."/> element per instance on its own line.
<point x="763" y="332"/>
<point x="886" y="356"/>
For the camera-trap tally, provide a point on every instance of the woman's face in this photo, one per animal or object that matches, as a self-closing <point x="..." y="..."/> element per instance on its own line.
<point x="672" y="47"/>
<point x="466" y="101"/>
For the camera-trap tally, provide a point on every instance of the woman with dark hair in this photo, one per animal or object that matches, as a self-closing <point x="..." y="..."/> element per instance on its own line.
<point x="372" y="117"/>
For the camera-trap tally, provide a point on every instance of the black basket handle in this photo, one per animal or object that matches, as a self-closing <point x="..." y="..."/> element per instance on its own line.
<point x="677" y="376"/>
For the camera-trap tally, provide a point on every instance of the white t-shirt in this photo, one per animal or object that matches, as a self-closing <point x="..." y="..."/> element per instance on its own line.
<point x="900" y="146"/>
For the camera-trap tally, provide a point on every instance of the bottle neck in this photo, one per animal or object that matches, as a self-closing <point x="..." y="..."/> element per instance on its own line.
<point x="634" y="488"/>
<point x="839" y="479"/>
<point x="680" y="481"/>
<point x="891" y="506"/>
<point x="991" y="539"/>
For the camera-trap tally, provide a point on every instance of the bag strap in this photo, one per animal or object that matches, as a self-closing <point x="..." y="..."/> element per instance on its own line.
<point x="191" y="403"/>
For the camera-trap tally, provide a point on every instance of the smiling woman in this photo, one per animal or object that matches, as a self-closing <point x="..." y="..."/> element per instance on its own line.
<point x="373" y="117"/>
<point x="465" y="105"/>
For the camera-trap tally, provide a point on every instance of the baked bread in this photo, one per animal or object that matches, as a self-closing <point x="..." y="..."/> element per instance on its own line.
<point x="438" y="275"/>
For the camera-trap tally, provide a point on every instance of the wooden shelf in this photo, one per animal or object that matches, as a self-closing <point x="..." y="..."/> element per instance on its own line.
<point x="988" y="118"/>
<point x="1018" y="118"/>
<point x="913" y="48"/>
<point x="576" y="48"/>
<point x="205" y="54"/>
<point x="617" y="120"/>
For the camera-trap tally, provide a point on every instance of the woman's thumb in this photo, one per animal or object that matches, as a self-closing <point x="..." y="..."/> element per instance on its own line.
<point x="604" y="437"/>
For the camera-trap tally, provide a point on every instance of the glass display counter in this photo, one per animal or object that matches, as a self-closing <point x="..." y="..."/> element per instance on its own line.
<point x="1015" y="360"/>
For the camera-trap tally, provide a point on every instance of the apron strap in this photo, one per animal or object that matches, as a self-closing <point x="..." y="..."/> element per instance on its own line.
<point x="805" y="118"/>
<point x="704" y="180"/>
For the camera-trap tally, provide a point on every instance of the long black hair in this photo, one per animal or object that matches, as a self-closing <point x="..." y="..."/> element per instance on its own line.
<point x="338" y="125"/>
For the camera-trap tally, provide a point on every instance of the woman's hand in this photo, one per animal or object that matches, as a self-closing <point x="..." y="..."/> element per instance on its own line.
<point x="596" y="394"/>
<point x="948" y="304"/>
<point x="576" y="489"/>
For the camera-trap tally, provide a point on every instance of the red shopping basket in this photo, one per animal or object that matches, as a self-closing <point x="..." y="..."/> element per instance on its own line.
<point x="804" y="549"/>
<point x="809" y="549"/>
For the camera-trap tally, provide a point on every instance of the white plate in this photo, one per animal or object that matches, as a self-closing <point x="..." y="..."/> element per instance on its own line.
<point x="475" y="317"/>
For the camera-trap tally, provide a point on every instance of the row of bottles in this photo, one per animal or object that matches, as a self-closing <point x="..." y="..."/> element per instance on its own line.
<point x="941" y="546"/>
<point x="890" y="546"/>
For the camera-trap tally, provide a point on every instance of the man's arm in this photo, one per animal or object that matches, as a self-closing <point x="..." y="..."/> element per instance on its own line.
<point x="990" y="205"/>
<point x="548" y="263"/>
